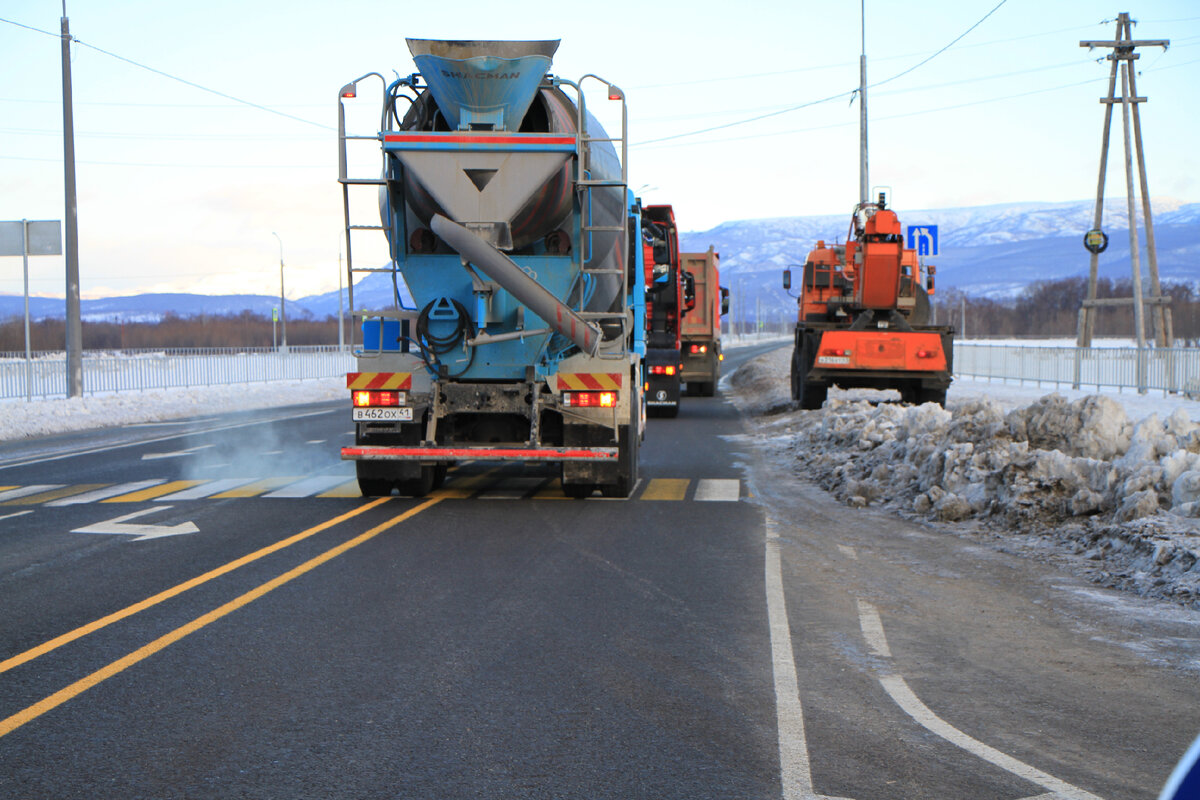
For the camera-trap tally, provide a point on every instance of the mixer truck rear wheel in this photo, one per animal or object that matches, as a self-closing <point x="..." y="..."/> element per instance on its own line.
<point x="578" y="491"/>
<point x="628" y="471"/>
<point x="439" y="474"/>
<point x="369" y="481"/>
<point x="419" y="486"/>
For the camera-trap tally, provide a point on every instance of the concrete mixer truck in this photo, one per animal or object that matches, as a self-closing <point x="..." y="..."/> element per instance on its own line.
<point x="510" y="225"/>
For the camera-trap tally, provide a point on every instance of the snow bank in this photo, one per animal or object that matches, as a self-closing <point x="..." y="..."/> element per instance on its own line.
<point x="1120" y="500"/>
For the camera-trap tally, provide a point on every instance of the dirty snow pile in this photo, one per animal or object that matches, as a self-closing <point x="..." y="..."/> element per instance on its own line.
<point x="1075" y="479"/>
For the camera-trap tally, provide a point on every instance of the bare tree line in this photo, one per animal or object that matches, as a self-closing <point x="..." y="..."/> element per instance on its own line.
<point x="1050" y="309"/>
<point x="246" y="329"/>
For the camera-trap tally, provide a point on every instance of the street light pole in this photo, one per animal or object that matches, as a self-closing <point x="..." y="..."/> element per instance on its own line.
<point x="282" y="301"/>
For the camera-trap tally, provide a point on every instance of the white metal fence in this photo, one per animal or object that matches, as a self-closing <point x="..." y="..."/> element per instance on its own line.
<point x="1169" y="370"/>
<point x="103" y="372"/>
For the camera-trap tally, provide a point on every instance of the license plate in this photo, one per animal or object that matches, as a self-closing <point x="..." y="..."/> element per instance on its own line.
<point x="833" y="360"/>
<point x="383" y="415"/>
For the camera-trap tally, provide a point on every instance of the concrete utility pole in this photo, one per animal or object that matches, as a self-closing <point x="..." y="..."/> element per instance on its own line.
<point x="1123" y="46"/>
<point x="864" y="187"/>
<point x="74" y="343"/>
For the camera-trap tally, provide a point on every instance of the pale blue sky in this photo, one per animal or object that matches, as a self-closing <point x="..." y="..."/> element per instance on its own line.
<point x="180" y="190"/>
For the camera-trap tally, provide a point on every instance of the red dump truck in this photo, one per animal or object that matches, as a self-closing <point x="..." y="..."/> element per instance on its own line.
<point x="700" y="331"/>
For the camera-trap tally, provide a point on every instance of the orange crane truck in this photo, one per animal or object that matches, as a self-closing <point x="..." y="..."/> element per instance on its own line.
<point x="863" y="318"/>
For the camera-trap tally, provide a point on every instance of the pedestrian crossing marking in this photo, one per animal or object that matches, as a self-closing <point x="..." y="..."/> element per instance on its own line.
<point x="256" y="488"/>
<point x="462" y="486"/>
<point x="152" y="492"/>
<point x="347" y="489"/>
<point x="666" y="489"/>
<point x="108" y="491"/>
<point x="205" y="489"/>
<point x="728" y="490"/>
<point x="25" y="491"/>
<point x="307" y="487"/>
<point x="54" y="494"/>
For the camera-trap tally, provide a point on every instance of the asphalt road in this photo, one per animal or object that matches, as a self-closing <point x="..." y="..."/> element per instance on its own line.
<point x="205" y="610"/>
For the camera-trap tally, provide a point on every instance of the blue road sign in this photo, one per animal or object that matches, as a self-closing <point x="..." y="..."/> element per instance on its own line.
<point x="923" y="239"/>
<point x="1184" y="783"/>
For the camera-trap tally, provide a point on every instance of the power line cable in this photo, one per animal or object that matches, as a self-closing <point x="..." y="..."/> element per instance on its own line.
<point x="168" y="75"/>
<point x="939" y="52"/>
<point x="851" y="93"/>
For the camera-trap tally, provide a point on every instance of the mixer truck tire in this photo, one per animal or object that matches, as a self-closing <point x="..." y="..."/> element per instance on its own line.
<point x="628" y="442"/>
<point x="418" y="486"/>
<point x="370" y="481"/>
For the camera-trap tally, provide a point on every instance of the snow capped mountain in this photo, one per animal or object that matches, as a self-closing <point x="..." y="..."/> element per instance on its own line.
<point x="994" y="250"/>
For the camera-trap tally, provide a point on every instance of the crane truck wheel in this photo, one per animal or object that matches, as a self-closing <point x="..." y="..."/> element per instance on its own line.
<point x="795" y="378"/>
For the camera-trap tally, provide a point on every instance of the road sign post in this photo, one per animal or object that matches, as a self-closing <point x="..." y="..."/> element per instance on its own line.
<point x="30" y="238"/>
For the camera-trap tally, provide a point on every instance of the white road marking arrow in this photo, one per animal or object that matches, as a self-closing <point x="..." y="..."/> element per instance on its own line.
<point x="142" y="532"/>
<point x="174" y="454"/>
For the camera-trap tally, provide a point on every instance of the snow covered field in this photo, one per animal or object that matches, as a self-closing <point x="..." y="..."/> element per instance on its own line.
<point x="22" y="420"/>
<point x="1107" y="485"/>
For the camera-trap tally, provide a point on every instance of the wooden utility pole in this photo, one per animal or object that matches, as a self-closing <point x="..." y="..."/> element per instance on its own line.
<point x="1122" y="56"/>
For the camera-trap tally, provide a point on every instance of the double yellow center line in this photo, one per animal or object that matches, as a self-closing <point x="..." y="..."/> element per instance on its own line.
<point x="78" y="687"/>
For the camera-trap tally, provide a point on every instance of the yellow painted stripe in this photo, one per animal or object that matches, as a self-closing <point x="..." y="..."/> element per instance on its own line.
<point x="347" y="489"/>
<point x="34" y="711"/>
<point x="6" y="488"/>
<point x="92" y="627"/>
<point x="666" y="489"/>
<point x="46" y="497"/>
<point x="256" y="488"/>
<point x="153" y="492"/>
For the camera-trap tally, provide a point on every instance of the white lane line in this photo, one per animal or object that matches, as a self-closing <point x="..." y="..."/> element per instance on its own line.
<point x="106" y="492"/>
<point x="872" y="629"/>
<point x="848" y="552"/>
<point x="795" y="771"/>
<point x="17" y="514"/>
<point x="899" y="691"/>
<point x="175" y="453"/>
<point x="719" y="490"/>
<point x="44" y="458"/>
<point x="25" y="491"/>
<point x="308" y="486"/>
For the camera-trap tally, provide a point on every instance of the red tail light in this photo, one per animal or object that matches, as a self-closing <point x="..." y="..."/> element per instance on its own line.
<point x="926" y="354"/>
<point x="699" y="348"/>
<point x="590" y="399"/>
<point x="662" y="370"/>
<point x="363" y="399"/>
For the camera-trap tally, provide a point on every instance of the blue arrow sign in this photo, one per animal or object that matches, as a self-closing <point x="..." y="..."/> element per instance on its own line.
<point x="1184" y="783"/>
<point x="923" y="239"/>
